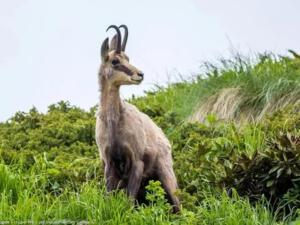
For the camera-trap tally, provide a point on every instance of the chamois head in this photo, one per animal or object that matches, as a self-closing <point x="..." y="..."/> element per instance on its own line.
<point x="115" y="68"/>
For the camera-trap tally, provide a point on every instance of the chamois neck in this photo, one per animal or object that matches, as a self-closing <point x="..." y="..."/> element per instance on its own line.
<point x="110" y="102"/>
<point x="110" y="108"/>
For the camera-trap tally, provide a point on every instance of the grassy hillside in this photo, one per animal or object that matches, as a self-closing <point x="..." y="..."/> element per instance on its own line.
<point x="228" y="172"/>
<point x="240" y="89"/>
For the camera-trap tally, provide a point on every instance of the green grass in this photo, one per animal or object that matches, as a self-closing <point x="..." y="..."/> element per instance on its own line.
<point x="224" y="210"/>
<point x="20" y="202"/>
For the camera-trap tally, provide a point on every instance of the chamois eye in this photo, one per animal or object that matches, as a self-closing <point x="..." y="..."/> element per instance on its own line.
<point x="115" y="62"/>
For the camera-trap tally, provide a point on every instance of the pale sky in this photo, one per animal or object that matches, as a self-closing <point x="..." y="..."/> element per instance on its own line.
<point x="49" y="50"/>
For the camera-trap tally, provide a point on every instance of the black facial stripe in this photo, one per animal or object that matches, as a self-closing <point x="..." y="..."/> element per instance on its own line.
<point x="124" y="69"/>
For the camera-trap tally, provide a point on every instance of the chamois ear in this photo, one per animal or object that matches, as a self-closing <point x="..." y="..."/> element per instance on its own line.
<point x="104" y="50"/>
<point x="113" y="43"/>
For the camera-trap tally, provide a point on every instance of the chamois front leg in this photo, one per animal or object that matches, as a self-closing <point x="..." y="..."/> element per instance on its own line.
<point x="135" y="178"/>
<point x="111" y="178"/>
<point x="168" y="180"/>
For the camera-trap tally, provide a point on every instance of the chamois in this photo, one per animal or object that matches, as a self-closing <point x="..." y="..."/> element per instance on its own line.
<point x="132" y="147"/>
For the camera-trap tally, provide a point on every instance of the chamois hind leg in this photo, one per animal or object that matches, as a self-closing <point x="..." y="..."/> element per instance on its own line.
<point x="112" y="180"/>
<point x="135" y="178"/>
<point x="168" y="180"/>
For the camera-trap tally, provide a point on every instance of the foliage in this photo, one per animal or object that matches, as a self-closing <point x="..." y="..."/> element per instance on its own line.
<point x="225" y="210"/>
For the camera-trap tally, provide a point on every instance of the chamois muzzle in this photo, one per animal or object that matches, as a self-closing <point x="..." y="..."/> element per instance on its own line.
<point x="138" y="77"/>
<point x="141" y="74"/>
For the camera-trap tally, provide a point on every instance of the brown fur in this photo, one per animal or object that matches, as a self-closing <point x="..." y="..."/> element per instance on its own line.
<point x="132" y="147"/>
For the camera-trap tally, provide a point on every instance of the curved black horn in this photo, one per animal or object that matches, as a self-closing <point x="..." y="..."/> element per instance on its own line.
<point x="118" y="50"/>
<point x="125" y="36"/>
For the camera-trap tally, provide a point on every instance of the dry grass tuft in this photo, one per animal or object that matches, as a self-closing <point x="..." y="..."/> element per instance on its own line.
<point x="225" y="105"/>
